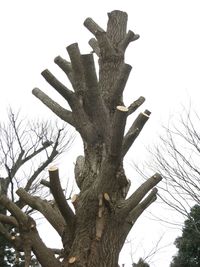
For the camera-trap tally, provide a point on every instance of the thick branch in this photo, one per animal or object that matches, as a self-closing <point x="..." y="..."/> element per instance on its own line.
<point x="134" y="131"/>
<point x="103" y="45"/>
<point x="92" y="93"/>
<point x="92" y="26"/>
<point x="94" y="44"/>
<point x="44" y="255"/>
<point x="60" y="199"/>
<point x="13" y="209"/>
<point x="77" y="69"/>
<point x="64" y="114"/>
<point x="138" y="210"/>
<point x="110" y="165"/>
<point x="58" y="86"/>
<point x="117" y="90"/>
<point x="89" y="72"/>
<point x="116" y="27"/>
<point x="94" y="104"/>
<point x="8" y="220"/>
<point x="130" y="37"/>
<point x="118" y="127"/>
<point x="82" y="123"/>
<point x="4" y="232"/>
<point x="45" y="208"/>
<point x="135" y="105"/>
<point x="65" y="66"/>
<point x="139" y="194"/>
<point x="78" y="169"/>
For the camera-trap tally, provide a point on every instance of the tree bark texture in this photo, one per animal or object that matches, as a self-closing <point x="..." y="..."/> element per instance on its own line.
<point x="95" y="232"/>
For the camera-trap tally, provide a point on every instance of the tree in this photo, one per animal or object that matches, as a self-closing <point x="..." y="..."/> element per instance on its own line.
<point x="94" y="233"/>
<point x="176" y="157"/>
<point x="27" y="148"/>
<point x="189" y="243"/>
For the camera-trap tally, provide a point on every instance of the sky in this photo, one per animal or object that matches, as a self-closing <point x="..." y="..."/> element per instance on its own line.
<point x="165" y="61"/>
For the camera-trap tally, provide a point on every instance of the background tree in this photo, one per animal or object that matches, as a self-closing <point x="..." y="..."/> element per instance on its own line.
<point x="189" y="243"/>
<point x="94" y="233"/>
<point x="27" y="148"/>
<point x="176" y="157"/>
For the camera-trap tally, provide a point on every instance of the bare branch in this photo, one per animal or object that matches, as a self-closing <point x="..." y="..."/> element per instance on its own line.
<point x="14" y="209"/>
<point x="134" y="214"/>
<point x="130" y="37"/>
<point x="92" y="26"/>
<point x="139" y="194"/>
<point x="65" y="66"/>
<point x="45" y="208"/>
<point x="4" y="232"/>
<point x="116" y="27"/>
<point x="77" y="69"/>
<point x="118" y="88"/>
<point x="64" y="114"/>
<point x="60" y="88"/>
<point x="43" y="254"/>
<point x="45" y="183"/>
<point x="141" y="207"/>
<point x="134" y="131"/>
<point x="60" y="199"/>
<point x="94" y="105"/>
<point x="8" y="220"/>
<point x="118" y="127"/>
<point x="94" y="44"/>
<point x="36" y="152"/>
<point x="135" y="105"/>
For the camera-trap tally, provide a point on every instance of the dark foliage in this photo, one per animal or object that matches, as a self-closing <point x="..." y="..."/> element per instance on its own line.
<point x="189" y="243"/>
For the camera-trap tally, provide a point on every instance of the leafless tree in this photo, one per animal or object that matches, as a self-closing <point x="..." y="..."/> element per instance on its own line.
<point x="94" y="233"/>
<point x="176" y="157"/>
<point x="147" y="256"/>
<point x="26" y="149"/>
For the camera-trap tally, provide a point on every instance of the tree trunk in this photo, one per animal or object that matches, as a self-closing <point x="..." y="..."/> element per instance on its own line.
<point x="94" y="234"/>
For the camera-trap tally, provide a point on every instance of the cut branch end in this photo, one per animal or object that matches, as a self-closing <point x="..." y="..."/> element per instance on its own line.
<point x="122" y="108"/>
<point x="53" y="168"/>
<point x="72" y="260"/>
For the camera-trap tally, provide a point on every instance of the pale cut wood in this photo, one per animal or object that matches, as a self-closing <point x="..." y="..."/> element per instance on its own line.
<point x="53" y="168"/>
<point x="72" y="260"/>
<point x="122" y="108"/>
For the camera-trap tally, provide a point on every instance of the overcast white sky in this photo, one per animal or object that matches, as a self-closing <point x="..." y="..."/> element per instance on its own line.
<point x="165" y="60"/>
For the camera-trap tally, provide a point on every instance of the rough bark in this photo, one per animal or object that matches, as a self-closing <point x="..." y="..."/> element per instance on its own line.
<point x="94" y="235"/>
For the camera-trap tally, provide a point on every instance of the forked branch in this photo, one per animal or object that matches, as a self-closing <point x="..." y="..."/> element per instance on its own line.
<point x="139" y="194"/>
